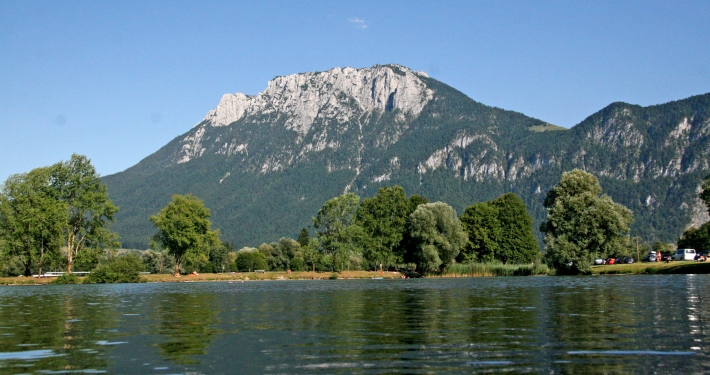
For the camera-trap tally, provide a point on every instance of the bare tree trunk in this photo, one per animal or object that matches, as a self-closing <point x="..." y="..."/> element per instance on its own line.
<point x="70" y="246"/>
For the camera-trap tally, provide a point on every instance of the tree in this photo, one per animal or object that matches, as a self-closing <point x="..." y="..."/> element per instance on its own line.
<point x="517" y="242"/>
<point x="383" y="219"/>
<point x="250" y="259"/>
<point x="32" y="219"/>
<point x="89" y="208"/>
<point x="499" y="230"/>
<point x="696" y="238"/>
<point x="184" y="228"/>
<point x="304" y="237"/>
<point x="437" y="234"/>
<point x="582" y="223"/>
<point x="338" y="234"/>
<point x="705" y="193"/>
<point x="480" y="221"/>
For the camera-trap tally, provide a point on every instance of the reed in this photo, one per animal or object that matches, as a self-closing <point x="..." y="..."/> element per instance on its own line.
<point x="494" y="269"/>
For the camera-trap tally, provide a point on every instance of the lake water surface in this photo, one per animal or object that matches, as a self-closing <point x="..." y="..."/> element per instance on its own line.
<point x="613" y="324"/>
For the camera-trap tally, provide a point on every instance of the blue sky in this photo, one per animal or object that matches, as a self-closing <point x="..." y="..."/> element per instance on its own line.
<point x="117" y="80"/>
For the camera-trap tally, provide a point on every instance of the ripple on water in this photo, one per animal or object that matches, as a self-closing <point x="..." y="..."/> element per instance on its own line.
<point x="29" y="355"/>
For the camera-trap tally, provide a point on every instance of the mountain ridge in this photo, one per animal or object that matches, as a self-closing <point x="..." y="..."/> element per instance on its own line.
<point x="308" y="137"/>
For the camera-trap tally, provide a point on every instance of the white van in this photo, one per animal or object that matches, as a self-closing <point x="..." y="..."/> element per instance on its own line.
<point x="684" y="254"/>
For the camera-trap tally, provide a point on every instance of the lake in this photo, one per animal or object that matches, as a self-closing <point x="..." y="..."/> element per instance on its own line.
<point x="611" y="324"/>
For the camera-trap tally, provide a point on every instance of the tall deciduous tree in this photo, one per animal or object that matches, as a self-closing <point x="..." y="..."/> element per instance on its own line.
<point x="480" y="221"/>
<point x="89" y="208"/>
<point x="582" y="223"/>
<point x="184" y="228"/>
<point x="338" y="234"/>
<point x="436" y="231"/>
<point x="517" y="243"/>
<point x="32" y="219"/>
<point x="383" y="219"/>
<point x="499" y="230"/>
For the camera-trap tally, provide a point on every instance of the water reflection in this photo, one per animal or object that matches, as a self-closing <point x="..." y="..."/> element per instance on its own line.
<point x="54" y="330"/>
<point x="185" y="320"/>
<point x="639" y="324"/>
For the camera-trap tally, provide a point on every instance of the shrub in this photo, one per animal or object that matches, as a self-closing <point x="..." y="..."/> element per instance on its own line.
<point x="124" y="269"/>
<point x="67" y="278"/>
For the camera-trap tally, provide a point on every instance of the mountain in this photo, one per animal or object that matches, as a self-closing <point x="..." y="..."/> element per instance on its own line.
<point x="265" y="164"/>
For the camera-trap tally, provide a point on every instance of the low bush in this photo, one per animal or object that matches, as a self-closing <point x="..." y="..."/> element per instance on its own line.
<point x="67" y="278"/>
<point x="124" y="269"/>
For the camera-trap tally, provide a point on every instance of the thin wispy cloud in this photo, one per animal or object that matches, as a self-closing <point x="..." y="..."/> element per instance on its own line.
<point x="358" y="23"/>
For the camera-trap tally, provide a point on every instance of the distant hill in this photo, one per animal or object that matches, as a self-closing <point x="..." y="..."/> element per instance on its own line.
<point x="265" y="164"/>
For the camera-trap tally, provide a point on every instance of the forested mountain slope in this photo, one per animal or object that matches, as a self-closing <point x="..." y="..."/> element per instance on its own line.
<point x="265" y="164"/>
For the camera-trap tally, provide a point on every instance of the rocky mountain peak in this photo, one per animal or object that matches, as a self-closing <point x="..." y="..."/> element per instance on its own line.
<point x="339" y="93"/>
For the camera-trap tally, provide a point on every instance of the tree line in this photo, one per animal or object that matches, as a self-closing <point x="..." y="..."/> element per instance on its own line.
<point x="57" y="217"/>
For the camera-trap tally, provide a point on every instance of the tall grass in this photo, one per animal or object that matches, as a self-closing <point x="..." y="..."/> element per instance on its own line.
<point x="494" y="269"/>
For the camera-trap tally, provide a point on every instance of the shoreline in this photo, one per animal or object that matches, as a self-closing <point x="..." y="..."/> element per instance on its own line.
<point x="672" y="268"/>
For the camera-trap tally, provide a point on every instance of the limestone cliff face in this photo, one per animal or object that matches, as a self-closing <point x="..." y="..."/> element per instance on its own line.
<point x="298" y="101"/>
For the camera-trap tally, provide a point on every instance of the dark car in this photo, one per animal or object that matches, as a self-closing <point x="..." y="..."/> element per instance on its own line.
<point x="667" y="257"/>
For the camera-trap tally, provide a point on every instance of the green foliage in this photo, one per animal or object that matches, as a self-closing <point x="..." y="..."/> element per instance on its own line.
<point x="338" y="233"/>
<point x="705" y="193"/>
<point x="304" y="237"/>
<point x="122" y="269"/>
<point x="67" y="278"/>
<point x="437" y="235"/>
<point x="89" y="209"/>
<point x="582" y="224"/>
<point x="383" y="219"/>
<point x="184" y="229"/>
<point x="517" y="243"/>
<point x="31" y="218"/>
<point x="696" y="238"/>
<point x="662" y="247"/>
<point x="158" y="261"/>
<point x="480" y="221"/>
<point x="219" y="259"/>
<point x="249" y="259"/>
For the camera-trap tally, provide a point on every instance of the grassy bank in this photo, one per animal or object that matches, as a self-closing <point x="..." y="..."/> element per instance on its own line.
<point x="495" y="269"/>
<point x="241" y="276"/>
<point x="678" y="267"/>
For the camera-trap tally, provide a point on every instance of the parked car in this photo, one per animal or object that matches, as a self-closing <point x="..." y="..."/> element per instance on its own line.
<point x="620" y="260"/>
<point x="611" y="261"/>
<point x="629" y="260"/>
<point x="599" y="261"/>
<point x="667" y="257"/>
<point x="650" y="257"/>
<point x="684" y="254"/>
<point x="702" y="256"/>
